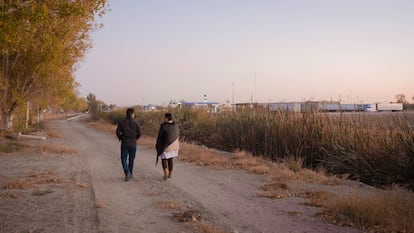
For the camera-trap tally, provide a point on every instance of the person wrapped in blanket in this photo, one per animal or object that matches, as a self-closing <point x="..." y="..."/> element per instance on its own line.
<point x="167" y="144"/>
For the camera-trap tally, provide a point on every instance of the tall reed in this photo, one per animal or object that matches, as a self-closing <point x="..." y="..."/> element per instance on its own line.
<point x="373" y="148"/>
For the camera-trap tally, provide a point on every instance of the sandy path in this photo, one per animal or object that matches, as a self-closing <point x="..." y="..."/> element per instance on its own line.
<point x="226" y="199"/>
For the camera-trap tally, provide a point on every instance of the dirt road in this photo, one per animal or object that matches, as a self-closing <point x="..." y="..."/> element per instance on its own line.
<point x="85" y="192"/>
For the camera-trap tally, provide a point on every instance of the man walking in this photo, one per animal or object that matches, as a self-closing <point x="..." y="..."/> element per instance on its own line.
<point x="128" y="132"/>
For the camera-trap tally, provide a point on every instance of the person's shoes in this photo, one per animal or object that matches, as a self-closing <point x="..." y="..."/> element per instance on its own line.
<point x="131" y="177"/>
<point x="165" y="173"/>
<point x="126" y="177"/>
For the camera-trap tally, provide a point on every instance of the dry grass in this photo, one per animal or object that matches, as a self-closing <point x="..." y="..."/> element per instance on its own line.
<point x="386" y="211"/>
<point x="294" y="164"/>
<point x="192" y="217"/>
<point x="202" y="156"/>
<point x="276" y="194"/>
<point x="48" y="148"/>
<point x="82" y="185"/>
<point x="103" y="126"/>
<point x="284" y="172"/>
<point x="389" y="211"/>
<point x="32" y="180"/>
<point x="363" y="212"/>
<point x="54" y="149"/>
<point x="197" y="222"/>
<point x="146" y="141"/>
<point x="275" y="190"/>
<point x="170" y="205"/>
<point x="295" y="213"/>
<point x="188" y="216"/>
<point x="53" y="133"/>
<point x="247" y="161"/>
<point x="316" y="198"/>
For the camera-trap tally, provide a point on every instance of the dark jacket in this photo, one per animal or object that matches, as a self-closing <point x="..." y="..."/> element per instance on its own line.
<point x="128" y="132"/>
<point x="167" y="134"/>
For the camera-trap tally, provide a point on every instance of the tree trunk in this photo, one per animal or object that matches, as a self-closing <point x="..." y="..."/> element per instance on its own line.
<point x="7" y="115"/>
<point x="7" y="121"/>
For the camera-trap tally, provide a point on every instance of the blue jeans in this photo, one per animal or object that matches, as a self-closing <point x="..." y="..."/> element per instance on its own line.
<point x="128" y="152"/>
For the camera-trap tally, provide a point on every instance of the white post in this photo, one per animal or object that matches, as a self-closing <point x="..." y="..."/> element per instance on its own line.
<point x="38" y="115"/>
<point x="27" y="113"/>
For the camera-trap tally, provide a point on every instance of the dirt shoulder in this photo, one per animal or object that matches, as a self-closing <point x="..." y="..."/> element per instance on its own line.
<point x="84" y="191"/>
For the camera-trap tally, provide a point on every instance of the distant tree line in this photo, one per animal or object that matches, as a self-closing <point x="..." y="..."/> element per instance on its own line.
<point x="402" y="99"/>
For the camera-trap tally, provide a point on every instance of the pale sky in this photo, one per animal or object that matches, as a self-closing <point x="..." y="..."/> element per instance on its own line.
<point x="153" y="51"/>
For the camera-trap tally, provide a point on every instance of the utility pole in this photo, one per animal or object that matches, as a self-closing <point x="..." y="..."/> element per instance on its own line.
<point x="255" y="94"/>
<point x="232" y="98"/>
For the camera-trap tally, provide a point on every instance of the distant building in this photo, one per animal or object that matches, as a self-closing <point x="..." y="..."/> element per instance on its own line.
<point x="150" y="107"/>
<point x="210" y="106"/>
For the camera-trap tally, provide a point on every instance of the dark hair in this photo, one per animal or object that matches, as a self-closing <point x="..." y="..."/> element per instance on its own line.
<point x="129" y="112"/>
<point x="168" y="116"/>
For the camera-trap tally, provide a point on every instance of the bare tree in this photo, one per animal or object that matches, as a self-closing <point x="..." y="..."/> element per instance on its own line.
<point x="401" y="99"/>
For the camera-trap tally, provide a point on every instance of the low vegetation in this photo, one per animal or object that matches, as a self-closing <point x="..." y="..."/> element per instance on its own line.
<point x="382" y="211"/>
<point x="10" y="147"/>
<point x="54" y="149"/>
<point x="31" y="180"/>
<point x="374" y="149"/>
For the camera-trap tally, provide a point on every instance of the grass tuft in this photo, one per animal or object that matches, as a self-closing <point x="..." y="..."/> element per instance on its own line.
<point x="55" y="149"/>
<point x="32" y="180"/>
<point x="294" y="164"/>
<point x="170" y="205"/>
<point x="387" y="211"/>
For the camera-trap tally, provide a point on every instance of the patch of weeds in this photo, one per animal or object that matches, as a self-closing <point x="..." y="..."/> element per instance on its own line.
<point x="294" y="164"/>
<point x="276" y="190"/>
<point x="197" y="222"/>
<point x="295" y="213"/>
<point x="188" y="216"/>
<point x="316" y="199"/>
<point x="274" y="186"/>
<point x="32" y="180"/>
<point x="280" y="194"/>
<point x="169" y="205"/>
<point x="10" y="147"/>
<point x="82" y="185"/>
<point x="55" y="149"/>
<point x="388" y="211"/>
